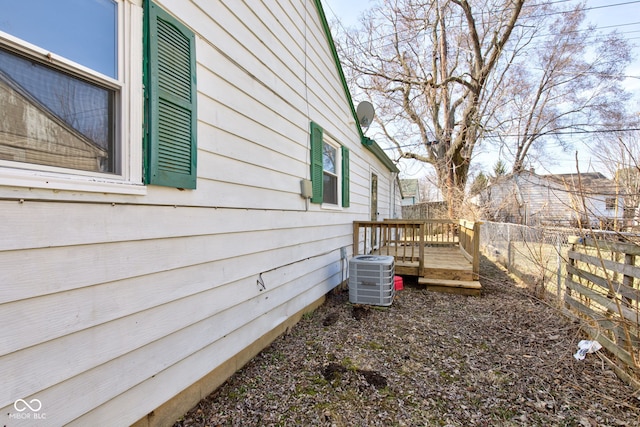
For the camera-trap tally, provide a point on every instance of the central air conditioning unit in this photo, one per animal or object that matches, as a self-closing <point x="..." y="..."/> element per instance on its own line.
<point x="371" y="280"/>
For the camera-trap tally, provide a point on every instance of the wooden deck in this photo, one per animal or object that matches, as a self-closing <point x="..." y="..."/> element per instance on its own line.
<point x="444" y="255"/>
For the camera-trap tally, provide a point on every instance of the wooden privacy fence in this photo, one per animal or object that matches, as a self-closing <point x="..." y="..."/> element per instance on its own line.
<point x="602" y="291"/>
<point x="425" y="210"/>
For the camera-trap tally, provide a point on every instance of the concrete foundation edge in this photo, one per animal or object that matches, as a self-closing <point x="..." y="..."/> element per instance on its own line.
<point x="169" y="412"/>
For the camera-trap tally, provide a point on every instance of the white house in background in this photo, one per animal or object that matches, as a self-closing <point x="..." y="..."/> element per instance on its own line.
<point x="561" y="200"/>
<point x="410" y="191"/>
<point x="204" y="200"/>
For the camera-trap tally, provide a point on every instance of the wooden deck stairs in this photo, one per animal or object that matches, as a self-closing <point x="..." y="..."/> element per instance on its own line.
<point x="443" y="255"/>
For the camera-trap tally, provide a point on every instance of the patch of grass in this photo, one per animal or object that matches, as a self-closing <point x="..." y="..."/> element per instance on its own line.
<point x="437" y="421"/>
<point x="271" y="396"/>
<point x="239" y="392"/>
<point x="277" y="356"/>
<point x="349" y="364"/>
<point x="322" y="405"/>
<point x="318" y="380"/>
<point x="374" y="345"/>
<point x="500" y="378"/>
<point x="350" y="395"/>
<point x="439" y="403"/>
<point x="475" y="401"/>
<point x="306" y="390"/>
<point x="448" y="377"/>
<point x="389" y="395"/>
<point x="503" y="414"/>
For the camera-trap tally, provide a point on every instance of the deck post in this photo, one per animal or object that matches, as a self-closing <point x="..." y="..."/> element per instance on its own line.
<point x="356" y="238"/>
<point x="421" y="248"/>
<point x="476" y="250"/>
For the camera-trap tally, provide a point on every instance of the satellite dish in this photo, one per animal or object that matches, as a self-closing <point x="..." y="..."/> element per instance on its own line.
<point x="365" y="113"/>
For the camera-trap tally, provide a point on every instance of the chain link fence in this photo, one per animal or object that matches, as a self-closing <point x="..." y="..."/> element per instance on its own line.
<point x="594" y="275"/>
<point x="537" y="255"/>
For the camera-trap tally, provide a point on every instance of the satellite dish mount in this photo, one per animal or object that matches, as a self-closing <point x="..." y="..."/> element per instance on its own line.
<point x="365" y="113"/>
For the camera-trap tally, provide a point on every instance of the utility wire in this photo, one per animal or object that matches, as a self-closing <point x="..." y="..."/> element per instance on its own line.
<point x="339" y="21"/>
<point x="383" y="37"/>
<point x="420" y="144"/>
<point x="588" y="8"/>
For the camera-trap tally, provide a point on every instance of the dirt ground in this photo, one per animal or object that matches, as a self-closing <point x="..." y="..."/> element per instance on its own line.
<point x="431" y="359"/>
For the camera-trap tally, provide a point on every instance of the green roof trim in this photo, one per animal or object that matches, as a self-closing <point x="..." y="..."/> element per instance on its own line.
<point x="369" y="143"/>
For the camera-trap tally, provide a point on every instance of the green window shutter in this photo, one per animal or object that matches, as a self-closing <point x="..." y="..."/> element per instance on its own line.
<point x="316" y="162"/>
<point x="345" y="177"/>
<point x="170" y="101"/>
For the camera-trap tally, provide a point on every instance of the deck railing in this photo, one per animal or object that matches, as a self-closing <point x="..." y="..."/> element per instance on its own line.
<point x="406" y="239"/>
<point x="401" y="239"/>
<point x="470" y="244"/>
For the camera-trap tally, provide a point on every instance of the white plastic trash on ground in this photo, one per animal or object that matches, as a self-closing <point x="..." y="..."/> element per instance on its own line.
<point x="586" y="346"/>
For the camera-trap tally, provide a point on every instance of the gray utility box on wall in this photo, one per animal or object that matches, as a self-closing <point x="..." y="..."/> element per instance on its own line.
<point x="371" y="279"/>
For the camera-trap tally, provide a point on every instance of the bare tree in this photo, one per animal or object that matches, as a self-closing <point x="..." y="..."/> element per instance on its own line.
<point x="447" y="74"/>
<point x="568" y="81"/>
<point x="426" y="64"/>
<point x="620" y="154"/>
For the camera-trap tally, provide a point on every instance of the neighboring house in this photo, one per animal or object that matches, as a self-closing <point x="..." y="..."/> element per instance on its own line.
<point x="410" y="191"/>
<point x="229" y="174"/>
<point x="397" y="199"/>
<point x="588" y="199"/>
<point x="67" y="147"/>
<point x="628" y="183"/>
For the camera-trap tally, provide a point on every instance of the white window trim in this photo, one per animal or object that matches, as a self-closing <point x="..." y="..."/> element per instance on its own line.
<point x="129" y="117"/>
<point x="328" y="139"/>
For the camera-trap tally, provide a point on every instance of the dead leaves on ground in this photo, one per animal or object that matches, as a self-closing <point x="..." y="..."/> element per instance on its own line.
<point x="502" y="359"/>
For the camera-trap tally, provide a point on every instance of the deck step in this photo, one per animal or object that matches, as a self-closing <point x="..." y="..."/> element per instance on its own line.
<point x="462" y="287"/>
<point x="447" y="274"/>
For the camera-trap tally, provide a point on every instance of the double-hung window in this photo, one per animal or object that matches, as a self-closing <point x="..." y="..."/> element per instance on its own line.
<point x="62" y="92"/>
<point x="329" y="169"/>
<point x="96" y="95"/>
<point x="330" y="172"/>
<point x="610" y="203"/>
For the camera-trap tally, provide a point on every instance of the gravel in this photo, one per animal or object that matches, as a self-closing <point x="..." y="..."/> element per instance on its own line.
<point x="431" y="359"/>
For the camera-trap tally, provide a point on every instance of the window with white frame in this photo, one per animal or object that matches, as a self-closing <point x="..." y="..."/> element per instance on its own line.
<point x="330" y="172"/>
<point x="80" y="80"/>
<point x="610" y="203"/>
<point x="60" y="89"/>
<point x="329" y="169"/>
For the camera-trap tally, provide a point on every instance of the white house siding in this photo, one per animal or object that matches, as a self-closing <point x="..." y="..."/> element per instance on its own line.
<point x="534" y="199"/>
<point x="112" y="304"/>
<point x="530" y="199"/>
<point x="550" y="202"/>
<point x="543" y="202"/>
